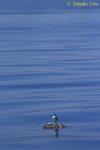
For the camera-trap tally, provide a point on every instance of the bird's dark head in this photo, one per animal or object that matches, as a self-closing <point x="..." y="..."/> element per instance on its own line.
<point x="53" y="114"/>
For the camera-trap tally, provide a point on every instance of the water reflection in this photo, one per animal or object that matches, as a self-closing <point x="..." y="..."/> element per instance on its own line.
<point x="56" y="133"/>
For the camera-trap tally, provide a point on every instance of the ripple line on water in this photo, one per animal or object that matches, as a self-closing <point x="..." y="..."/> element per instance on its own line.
<point x="51" y="85"/>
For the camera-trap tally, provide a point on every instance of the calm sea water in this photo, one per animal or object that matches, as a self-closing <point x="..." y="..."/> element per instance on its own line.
<point x="50" y="63"/>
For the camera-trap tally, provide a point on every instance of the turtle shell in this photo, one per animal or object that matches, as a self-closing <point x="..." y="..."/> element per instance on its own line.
<point x="53" y="126"/>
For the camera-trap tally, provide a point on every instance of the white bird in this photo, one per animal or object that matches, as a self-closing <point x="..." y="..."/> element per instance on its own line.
<point x="54" y="119"/>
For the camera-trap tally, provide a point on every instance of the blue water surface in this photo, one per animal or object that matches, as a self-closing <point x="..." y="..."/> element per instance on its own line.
<point x="50" y="63"/>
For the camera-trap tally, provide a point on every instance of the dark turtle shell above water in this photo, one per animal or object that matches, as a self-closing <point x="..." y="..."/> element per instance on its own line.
<point x="53" y="126"/>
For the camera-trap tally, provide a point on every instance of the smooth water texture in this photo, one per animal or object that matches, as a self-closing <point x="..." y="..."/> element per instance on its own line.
<point x="50" y="63"/>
